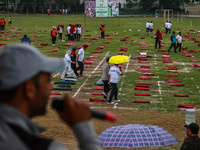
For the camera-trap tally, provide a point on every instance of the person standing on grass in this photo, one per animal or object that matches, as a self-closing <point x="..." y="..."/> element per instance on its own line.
<point x="79" y="29"/>
<point x="166" y="24"/>
<point x="102" y="28"/>
<point x="156" y="15"/>
<point x="53" y="35"/>
<point x="192" y="141"/>
<point x="169" y="26"/>
<point x="80" y="58"/>
<point x="68" y="32"/>
<point x="104" y="72"/>
<point x="179" y="41"/>
<point x="113" y="79"/>
<point x="75" y="32"/>
<point x="24" y="94"/>
<point x="25" y="39"/>
<point x="158" y="38"/>
<point x="151" y="27"/>
<point x="60" y="30"/>
<point x="9" y="21"/>
<point x="73" y="59"/>
<point x="173" y="42"/>
<point x="147" y="27"/>
<point x="48" y="11"/>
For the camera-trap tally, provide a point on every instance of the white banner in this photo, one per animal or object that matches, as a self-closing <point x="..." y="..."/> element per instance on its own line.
<point x="101" y="8"/>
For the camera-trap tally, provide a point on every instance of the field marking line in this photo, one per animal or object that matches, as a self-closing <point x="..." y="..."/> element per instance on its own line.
<point x="91" y="74"/>
<point x="56" y="75"/>
<point x="185" y="67"/>
<point x="159" y="87"/>
<point x="125" y="73"/>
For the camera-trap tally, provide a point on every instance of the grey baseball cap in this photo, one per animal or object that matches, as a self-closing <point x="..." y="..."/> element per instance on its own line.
<point x="20" y="62"/>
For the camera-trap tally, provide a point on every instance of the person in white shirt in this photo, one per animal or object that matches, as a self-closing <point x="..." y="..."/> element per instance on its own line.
<point x="147" y="27"/>
<point x="179" y="41"/>
<point x="68" y="32"/>
<point x="169" y="26"/>
<point x="79" y="32"/>
<point x="66" y="11"/>
<point x="151" y="27"/>
<point x="68" y="69"/>
<point x="166" y="24"/>
<point x="80" y="58"/>
<point x="113" y="78"/>
<point x="75" y="32"/>
<point x="60" y="30"/>
<point x="63" y="11"/>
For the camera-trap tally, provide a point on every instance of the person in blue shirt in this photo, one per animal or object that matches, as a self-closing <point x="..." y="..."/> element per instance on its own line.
<point x="173" y="42"/>
<point x="26" y="40"/>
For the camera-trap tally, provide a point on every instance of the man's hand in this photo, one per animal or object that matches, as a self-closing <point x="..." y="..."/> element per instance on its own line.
<point x="76" y="111"/>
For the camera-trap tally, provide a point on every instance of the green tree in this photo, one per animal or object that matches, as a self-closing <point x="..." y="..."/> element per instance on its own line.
<point x="146" y="4"/>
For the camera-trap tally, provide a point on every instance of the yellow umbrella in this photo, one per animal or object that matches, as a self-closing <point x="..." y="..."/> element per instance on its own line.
<point x="119" y="59"/>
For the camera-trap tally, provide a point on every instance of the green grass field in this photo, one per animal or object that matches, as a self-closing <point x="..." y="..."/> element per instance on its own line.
<point x="162" y="102"/>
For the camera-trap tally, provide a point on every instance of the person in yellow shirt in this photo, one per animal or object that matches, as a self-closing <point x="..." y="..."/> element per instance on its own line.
<point x="9" y="21"/>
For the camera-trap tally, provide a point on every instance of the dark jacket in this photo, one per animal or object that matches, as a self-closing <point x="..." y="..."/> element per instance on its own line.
<point x="73" y="56"/>
<point x="26" y="40"/>
<point x="193" y="143"/>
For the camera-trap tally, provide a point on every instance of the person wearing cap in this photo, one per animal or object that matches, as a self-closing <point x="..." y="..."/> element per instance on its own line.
<point x="25" y="39"/>
<point x="67" y="70"/>
<point x="192" y="141"/>
<point x="104" y="72"/>
<point x="73" y="59"/>
<point x="80" y="58"/>
<point x="113" y="78"/>
<point x="102" y="28"/>
<point x="53" y="35"/>
<point x="25" y="86"/>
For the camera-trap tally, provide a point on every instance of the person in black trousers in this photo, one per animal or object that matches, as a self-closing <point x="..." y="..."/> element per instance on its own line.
<point x="158" y="38"/>
<point x="73" y="59"/>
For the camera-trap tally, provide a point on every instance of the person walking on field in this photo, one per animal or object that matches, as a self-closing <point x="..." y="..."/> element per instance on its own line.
<point x="113" y="78"/>
<point x="73" y="59"/>
<point x="102" y="28"/>
<point x="179" y="41"/>
<point x="67" y="70"/>
<point x="68" y="32"/>
<point x="173" y="42"/>
<point x="53" y="35"/>
<point x="158" y="38"/>
<point x="169" y="26"/>
<point x="60" y="30"/>
<point x="104" y="72"/>
<point x="48" y="11"/>
<point x="80" y="58"/>
<point x="24" y="94"/>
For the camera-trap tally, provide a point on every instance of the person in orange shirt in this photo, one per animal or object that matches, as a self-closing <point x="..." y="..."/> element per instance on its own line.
<point x="53" y="35"/>
<point x="102" y="28"/>
<point x="48" y="11"/>
<point x="3" y="24"/>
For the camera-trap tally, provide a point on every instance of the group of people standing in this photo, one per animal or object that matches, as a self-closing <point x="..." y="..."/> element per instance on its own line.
<point x="168" y="26"/>
<point x="70" y="60"/>
<point x="149" y="27"/>
<point x="74" y="32"/>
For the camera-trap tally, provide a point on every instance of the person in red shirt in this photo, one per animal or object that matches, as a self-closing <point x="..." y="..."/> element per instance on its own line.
<point x="72" y="32"/>
<point x="158" y="38"/>
<point x="48" y="11"/>
<point x="1" y="24"/>
<point x="102" y="28"/>
<point x="53" y="35"/>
